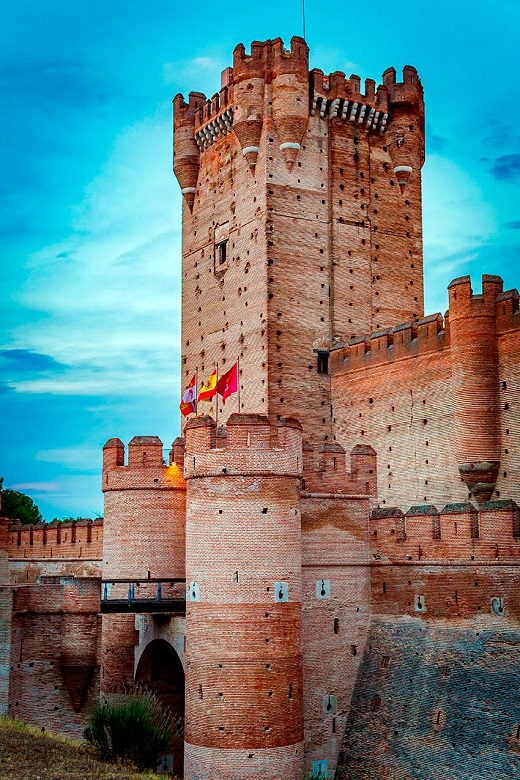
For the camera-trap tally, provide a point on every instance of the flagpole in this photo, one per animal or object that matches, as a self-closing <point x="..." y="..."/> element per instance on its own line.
<point x="196" y="388"/>
<point x="238" y="382"/>
<point x="216" y="403"/>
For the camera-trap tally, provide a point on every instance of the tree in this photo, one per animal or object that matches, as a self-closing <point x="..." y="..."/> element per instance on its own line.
<point x="19" y="506"/>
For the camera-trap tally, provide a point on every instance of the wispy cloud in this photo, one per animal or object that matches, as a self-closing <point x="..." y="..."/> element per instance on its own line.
<point x="507" y="167"/>
<point x="104" y="304"/>
<point x="39" y="487"/>
<point x="74" y="458"/>
<point x="435" y="142"/>
<point x="26" y="361"/>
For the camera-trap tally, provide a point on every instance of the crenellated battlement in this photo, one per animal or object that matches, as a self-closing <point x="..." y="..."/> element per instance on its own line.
<point x="145" y="468"/>
<point x="249" y="445"/>
<point x="270" y="58"/>
<point x="433" y="333"/>
<point x="428" y="334"/>
<point x="325" y="470"/>
<point x="58" y="540"/>
<point x="408" y="92"/>
<point x="338" y="96"/>
<point x="493" y="302"/>
<point x="457" y="532"/>
<point x="295" y="93"/>
<point x="464" y="302"/>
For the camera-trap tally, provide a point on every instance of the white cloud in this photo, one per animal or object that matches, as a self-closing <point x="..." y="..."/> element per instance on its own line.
<point x="201" y="73"/>
<point x="456" y="215"/>
<point x="39" y="487"/>
<point x="72" y="457"/>
<point x="106" y="303"/>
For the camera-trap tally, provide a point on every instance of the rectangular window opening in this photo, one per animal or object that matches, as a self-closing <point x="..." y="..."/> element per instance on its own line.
<point x="221" y="252"/>
<point x="323" y="362"/>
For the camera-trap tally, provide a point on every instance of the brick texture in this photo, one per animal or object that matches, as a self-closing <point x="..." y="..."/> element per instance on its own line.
<point x="348" y="524"/>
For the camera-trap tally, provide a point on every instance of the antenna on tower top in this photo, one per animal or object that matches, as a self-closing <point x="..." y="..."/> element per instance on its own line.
<point x="303" y="17"/>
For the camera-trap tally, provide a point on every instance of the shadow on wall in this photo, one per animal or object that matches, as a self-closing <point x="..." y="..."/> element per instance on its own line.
<point x="435" y="701"/>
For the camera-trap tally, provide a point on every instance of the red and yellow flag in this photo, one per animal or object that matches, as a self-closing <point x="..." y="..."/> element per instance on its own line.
<point x="209" y="388"/>
<point x="188" y="404"/>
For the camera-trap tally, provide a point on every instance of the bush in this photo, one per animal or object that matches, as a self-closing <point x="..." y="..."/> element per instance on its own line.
<point x="134" y="729"/>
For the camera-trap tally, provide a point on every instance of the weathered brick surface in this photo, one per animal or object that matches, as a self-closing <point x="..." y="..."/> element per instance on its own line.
<point x="335" y="555"/>
<point x="244" y="676"/>
<point x="6" y="610"/>
<point x="254" y="764"/>
<point x="76" y="543"/>
<point x="323" y="243"/>
<point x="144" y="533"/>
<point x="435" y="699"/>
<point x="54" y="654"/>
<point x="302" y="257"/>
<point x="436" y="401"/>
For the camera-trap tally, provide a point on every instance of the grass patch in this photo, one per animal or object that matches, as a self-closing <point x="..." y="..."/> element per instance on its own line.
<point x="26" y="753"/>
<point x="134" y="728"/>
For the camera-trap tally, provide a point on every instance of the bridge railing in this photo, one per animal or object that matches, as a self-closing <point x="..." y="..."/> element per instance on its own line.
<point x="154" y="594"/>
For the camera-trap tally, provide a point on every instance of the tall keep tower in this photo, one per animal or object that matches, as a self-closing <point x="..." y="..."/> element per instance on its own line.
<point x="301" y="223"/>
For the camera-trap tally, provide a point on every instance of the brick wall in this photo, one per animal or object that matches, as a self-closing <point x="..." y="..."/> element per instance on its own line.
<point x="244" y="681"/>
<point x="336" y="601"/>
<point x="71" y="540"/>
<point x="54" y="658"/>
<point x="435" y="699"/>
<point x="323" y="237"/>
<point x="396" y="391"/>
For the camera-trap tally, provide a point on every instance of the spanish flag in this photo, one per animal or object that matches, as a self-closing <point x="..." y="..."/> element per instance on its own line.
<point x="209" y="388"/>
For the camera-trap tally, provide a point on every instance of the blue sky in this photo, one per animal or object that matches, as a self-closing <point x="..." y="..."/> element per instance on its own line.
<point x="90" y="213"/>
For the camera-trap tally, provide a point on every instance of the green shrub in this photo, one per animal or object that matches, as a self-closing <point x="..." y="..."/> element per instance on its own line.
<point x="134" y="728"/>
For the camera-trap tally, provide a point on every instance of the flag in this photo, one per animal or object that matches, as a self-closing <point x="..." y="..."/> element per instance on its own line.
<point x="228" y="383"/>
<point x="188" y="405"/>
<point x="208" y="389"/>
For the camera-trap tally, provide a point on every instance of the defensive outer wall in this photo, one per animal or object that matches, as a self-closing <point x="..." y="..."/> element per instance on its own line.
<point x="350" y="540"/>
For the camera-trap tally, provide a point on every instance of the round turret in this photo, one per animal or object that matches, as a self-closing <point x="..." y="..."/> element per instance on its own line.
<point x="186" y="156"/>
<point x="244" y="684"/>
<point x="143" y="539"/>
<point x="290" y="95"/>
<point x="249" y="85"/>
<point x="405" y="130"/>
<point x="474" y="359"/>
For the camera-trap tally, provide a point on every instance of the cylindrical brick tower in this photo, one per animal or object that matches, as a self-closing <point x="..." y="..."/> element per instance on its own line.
<point x="186" y="153"/>
<point x="249" y="85"/>
<point x="475" y="387"/>
<point x="244" y="710"/>
<point x="143" y="538"/>
<point x="290" y="70"/>
<point x="405" y="134"/>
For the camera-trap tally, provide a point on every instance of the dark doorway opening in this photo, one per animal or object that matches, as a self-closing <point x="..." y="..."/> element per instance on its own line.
<point x="161" y="671"/>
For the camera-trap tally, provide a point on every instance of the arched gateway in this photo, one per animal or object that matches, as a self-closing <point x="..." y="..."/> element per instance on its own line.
<point x="160" y="670"/>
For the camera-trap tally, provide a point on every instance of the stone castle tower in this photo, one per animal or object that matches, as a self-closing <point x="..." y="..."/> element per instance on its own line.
<point x="301" y="223"/>
<point x="322" y="575"/>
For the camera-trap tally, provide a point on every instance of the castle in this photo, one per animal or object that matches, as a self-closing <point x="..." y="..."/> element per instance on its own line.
<point x="322" y="574"/>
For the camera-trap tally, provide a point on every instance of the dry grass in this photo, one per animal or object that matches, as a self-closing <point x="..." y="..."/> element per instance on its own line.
<point x="28" y="754"/>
